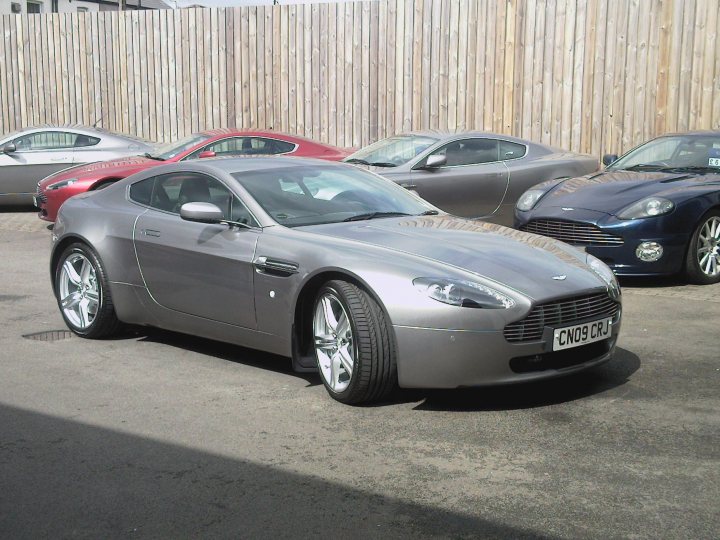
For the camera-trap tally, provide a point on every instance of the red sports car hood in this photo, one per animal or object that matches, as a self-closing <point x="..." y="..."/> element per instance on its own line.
<point x="114" y="168"/>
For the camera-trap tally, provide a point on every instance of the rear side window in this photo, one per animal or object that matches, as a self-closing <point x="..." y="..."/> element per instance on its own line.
<point x="511" y="150"/>
<point x="141" y="191"/>
<point x="245" y="146"/>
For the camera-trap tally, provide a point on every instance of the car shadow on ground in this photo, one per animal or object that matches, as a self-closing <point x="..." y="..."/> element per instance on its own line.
<point x="217" y="349"/>
<point x="521" y="396"/>
<point x="7" y="209"/>
<point x="531" y="395"/>
<point x="650" y="282"/>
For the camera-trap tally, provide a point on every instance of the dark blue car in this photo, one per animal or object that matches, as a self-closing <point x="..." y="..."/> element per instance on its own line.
<point x="654" y="211"/>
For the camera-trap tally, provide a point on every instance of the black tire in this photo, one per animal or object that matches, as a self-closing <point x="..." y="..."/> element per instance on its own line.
<point x="104" y="323"/>
<point x="374" y="375"/>
<point x="693" y="270"/>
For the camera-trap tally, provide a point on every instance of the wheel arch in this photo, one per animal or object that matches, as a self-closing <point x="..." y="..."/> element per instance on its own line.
<point x="57" y="251"/>
<point x="302" y="311"/>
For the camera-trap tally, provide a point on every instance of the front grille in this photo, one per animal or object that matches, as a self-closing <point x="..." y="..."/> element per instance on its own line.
<point x="40" y="196"/>
<point x="559" y="313"/>
<point x="572" y="232"/>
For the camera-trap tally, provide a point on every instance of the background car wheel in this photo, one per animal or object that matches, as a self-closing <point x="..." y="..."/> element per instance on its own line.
<point x="353" y="344"/>
<point x="702" y="263"/>
<point x="82" y="293"/>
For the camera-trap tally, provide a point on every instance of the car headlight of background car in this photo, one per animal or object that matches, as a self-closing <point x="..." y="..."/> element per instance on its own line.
<point x="458" y="292"/>
<point x="62" y="184"/>
<point x="648" y="207"/>
<point x="607" y="275"/>
<point x="530" y="198"/>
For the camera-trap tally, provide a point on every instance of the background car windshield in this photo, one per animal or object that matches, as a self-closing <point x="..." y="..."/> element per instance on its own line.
<point x="681" y="151"/>
<point x="395" y="150"/>
<point x="170" y="150"/>
<point x="296" y="196"/>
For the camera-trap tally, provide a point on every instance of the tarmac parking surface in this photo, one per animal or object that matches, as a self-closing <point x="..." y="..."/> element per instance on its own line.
<point x="156" y="434"/>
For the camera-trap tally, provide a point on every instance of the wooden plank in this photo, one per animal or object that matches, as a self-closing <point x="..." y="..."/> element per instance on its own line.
<point x="565" y="122"/>
<point x="297" y="69"/>
<point x="332" y="74"/>
<point x="715" y="116"/>
<point x="408" y="75"/>
<point x="425" y="63"/>
<point x="324" y="78"/>
<point x="269" y="97"/>
<point x="364" y="105"/>
<point x="248" y="119"/>
<point x="390" y="127"/>
<point x="490" y="53"/>
<point x="509" y="67"/>
<point x="279" y="79"/>
<point x="253" y="58"/>
<point x="5" y="94"/>
<point x="341" y="134"/>
<point x="664" y="41"/>
<point x="356" y="68"/>
<point x="480" y="67"/>
<point x="699" y="31"/>
<point x="311" y="101"/>
<point x="686" y="65"/>
<point x="643" y="91"/>
<point x="222" y="56"/>
<point x="462" y="70"/>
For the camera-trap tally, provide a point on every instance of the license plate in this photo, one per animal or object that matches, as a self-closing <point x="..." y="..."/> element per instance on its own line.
<point x="581" y="334"/>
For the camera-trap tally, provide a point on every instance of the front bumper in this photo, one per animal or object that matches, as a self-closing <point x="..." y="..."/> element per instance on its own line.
<point x="438" y="358"/>
<point x="622" y="259"/>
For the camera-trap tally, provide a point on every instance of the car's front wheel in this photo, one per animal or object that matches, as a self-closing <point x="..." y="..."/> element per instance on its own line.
<point x="353" y="344"/>
<point x="702" y="263"/>
<point x="82" y="292"/>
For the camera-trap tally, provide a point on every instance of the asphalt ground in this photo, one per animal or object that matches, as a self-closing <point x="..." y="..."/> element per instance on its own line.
<point x="160" y="435"/>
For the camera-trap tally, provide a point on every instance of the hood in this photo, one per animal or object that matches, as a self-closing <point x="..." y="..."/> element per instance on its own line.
<point x="117" y="168"/>
<point x="610" y="192"/>
<point x="522" y="261"/>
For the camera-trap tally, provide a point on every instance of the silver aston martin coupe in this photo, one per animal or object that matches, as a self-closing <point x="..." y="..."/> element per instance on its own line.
<point x="335" y="267"/>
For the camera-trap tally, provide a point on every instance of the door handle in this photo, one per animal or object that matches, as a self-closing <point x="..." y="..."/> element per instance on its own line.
<point x="58" y="159"/>
<point x="151" y="232"/>
<point x="408" y="186"/>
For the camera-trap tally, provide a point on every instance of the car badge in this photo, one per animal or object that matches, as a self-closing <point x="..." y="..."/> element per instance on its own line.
<point x="567" y="209"/>
<point x="561" y="277"/>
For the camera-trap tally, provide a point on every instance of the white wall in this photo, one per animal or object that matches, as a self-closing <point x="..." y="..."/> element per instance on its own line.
<point x="64" y="6"/>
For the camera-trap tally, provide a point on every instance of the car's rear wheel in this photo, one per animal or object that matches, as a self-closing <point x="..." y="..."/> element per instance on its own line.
<point x="82" y="292"/>
<point x="353" y="344"/>
<point x="702" y="263"/>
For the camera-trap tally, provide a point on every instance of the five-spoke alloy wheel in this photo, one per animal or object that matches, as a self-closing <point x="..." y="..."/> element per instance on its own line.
<point x="353" y="344"/>
<point x="82" y="293"/>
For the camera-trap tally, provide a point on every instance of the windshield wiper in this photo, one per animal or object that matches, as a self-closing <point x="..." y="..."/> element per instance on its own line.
<point x="357" y="160"/>
<point x="643" y="166"/>
<point x="150" y="156"/>
<point x="382" y="164"/>
<point x="373" y="215"/>
<point x="693" y="168"/>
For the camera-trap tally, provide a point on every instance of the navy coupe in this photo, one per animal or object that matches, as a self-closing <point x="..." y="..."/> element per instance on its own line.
<point x="653" y="211"/>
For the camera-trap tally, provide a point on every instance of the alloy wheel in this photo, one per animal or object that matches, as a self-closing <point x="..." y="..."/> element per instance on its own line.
<point x="708" y="248"/>
<point x="334" y="345"/>
<point x="79" y="291"/>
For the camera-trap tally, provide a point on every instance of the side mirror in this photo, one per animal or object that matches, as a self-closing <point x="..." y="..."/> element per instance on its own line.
<point x="201" y="212"/>
<point x="9" y="148"/>
<point x="609" y="158"/>
<point x="435" y="161"/>
<point x="206" y="154"/>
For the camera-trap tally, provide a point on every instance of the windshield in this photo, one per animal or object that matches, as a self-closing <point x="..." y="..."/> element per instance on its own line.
<point x="170" y="150"/>
<point x="674" y="152"/>
<point x="392" y="151"/>
<point x="296" y="196"/>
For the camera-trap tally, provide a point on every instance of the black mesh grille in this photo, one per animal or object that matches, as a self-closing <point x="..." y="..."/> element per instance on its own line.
<point x="40" y="196"/>
<point x="561" y="313"/>
<point x="572" y="232"/>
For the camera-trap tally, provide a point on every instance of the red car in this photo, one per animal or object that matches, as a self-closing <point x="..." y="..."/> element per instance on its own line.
<point x="55" y="189"/>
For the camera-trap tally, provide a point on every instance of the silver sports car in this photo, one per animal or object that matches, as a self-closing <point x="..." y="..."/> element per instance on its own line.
<point x="471" y="174"/>
<point x="334" y="267"/>
<point x="28" y="156"/>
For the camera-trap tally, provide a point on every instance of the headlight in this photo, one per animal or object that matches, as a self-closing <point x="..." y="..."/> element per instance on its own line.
<point x="649" y="207"/>
<point x="604" y="273"/>
<point x="457" y="292"/>
<point x="529" y="199"/>
<point x="63" y="183"/>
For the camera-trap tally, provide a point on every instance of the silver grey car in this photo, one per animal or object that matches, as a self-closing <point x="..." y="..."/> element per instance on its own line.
<point x="334" y="267"/>
<point x="28" y="156"/>
<point x="470" y="174"/>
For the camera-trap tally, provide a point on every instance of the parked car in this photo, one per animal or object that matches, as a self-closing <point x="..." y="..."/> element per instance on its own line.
<point x="654" y="211"/>
<point x="473" y="174"/>
<point x="335" y="267"/>
<point x="29" y="155"/>
<point x="55" y="189"/>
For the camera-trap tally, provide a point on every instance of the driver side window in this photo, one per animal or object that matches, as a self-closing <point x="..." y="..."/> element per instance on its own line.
<point x="168" y="192"/>
<point x="469" y="152"/>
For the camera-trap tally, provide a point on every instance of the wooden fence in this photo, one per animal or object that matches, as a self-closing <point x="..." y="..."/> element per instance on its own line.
<point x="588" y="75"/>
